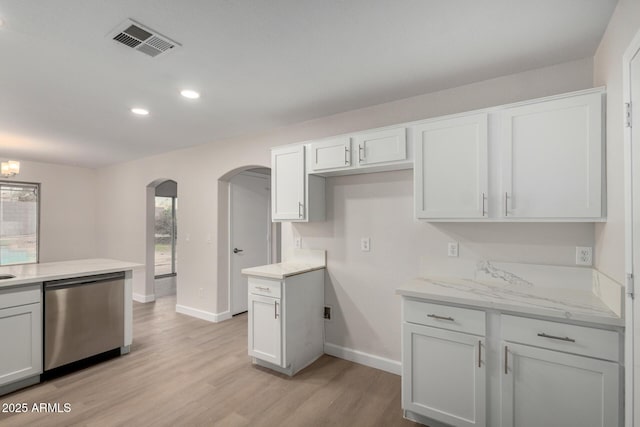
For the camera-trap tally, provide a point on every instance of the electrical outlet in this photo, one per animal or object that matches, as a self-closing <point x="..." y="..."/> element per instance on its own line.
<point x="365" y="244"/>
<point x="452" y="249"/>
<point x="200" y="292"/>
<point x="584" y="255"/>
<point x="298" y="242"/>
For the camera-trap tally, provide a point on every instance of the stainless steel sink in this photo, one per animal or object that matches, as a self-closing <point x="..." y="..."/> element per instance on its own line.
<point x="6" y="276"/>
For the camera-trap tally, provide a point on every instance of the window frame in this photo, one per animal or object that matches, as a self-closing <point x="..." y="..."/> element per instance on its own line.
<point x="38" y="186"/>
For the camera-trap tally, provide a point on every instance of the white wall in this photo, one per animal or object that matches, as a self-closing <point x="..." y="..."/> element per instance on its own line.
<point x="624" y="24"/>
<point x="67" y="209"/>
<point x="376" y="205"/>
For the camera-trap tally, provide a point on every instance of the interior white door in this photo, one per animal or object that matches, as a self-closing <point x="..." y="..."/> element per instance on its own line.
<point x="250" y="221"/>
<point x="542" y="387"/>
<point x="450" y="175"/>
<point x="632" y="316"/>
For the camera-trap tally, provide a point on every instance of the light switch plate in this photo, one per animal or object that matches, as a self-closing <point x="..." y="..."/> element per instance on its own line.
<point x="452" y="249"/>
<point x="584" y="255"/>
<point x="365" y="244"/>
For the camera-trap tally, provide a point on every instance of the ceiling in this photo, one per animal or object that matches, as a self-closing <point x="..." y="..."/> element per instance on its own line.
<point x="66" y="88"/>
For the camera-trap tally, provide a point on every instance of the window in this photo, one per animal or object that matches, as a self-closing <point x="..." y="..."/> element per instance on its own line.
<point x="165" y="236"/>
<point x="19" y="211"/>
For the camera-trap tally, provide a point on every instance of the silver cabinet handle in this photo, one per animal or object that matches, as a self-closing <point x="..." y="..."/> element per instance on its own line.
<point x="479" y="353"/>
<point x="275" y="310"/>
<point x="346" y="156"/>
<point x="506" y="195"/>
<point x="553" y="337"/>
<point x="483" y="209"/>
<point x="300" y="206"/>
<point x="360" y="152"/>
<point x="262" y="288"/>
<point x="506" y="355"/>
<point x="435" y="316"/>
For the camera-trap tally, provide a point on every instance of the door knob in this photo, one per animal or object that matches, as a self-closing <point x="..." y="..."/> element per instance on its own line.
<point x="236" y="250"/>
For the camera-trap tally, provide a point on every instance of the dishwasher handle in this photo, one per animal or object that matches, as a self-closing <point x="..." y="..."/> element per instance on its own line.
<point x="86" y="280"/>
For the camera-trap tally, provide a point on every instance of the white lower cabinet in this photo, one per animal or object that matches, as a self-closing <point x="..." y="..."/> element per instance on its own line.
<point x="266" y="328"/>
<point x="543" y="387"/>
<point x="286" y="321"/>
<point x="444" y="375"/>
<point x="462" y="369"/>
<point x="20" y="335"/>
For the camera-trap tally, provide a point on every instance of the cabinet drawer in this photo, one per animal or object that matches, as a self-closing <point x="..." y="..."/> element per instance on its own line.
<point x="562" y="337"/>
<point x="30" y="294"/>
<point x="444" y="316"/>
<point x="269" y="288"/>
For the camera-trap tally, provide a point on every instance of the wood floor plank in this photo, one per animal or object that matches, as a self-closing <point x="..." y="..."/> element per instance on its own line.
<point x="184" y="371"/>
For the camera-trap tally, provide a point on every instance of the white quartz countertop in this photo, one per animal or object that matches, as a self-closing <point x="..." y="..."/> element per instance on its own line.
<point x="282" y="270"/>
<point x="568" y="304"/>
<point x="298" y="262"/>
<point x="32" y="273"/>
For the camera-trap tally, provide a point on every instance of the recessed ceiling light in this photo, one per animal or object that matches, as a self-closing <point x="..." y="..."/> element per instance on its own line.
<point x="191" y="94"/>
<point x="140" y="111"/>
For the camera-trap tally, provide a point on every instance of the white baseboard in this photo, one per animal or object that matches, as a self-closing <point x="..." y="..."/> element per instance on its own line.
<point x="144" y="298"/>
<point x="204" y="315"/>
<point x="392" y="366"/>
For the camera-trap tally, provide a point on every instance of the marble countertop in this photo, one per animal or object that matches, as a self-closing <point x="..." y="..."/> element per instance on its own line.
<point x="297" y="262"/>
<point x="282" y="270"/>
<point x="33" y="273"/>
<point x="520" y="297"/>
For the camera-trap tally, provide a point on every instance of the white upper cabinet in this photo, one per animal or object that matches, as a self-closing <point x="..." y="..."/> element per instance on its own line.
<point x="295" y="196"/>
<point x="451" y="174"/>
<point x="330" y="154"/>
<point x="379" y="147"/>
<point x="287" y="183"/>
<point x="552" y="158"/>
<point x="533" y="161"/>
<point x="372" y="151"/>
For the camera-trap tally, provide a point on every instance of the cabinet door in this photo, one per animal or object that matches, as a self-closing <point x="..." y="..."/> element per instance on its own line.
<point x="552" y="158"/>
<point x="381" y="147"/>
<point x="450" y="178"/>
<point x="547" y="388"/>
<point x="332" y="154"/>
<point x="287" y="183"/>
<point x="21" y="338"/>
<point x="265" y="329"/>
<point x="443" y="375"/>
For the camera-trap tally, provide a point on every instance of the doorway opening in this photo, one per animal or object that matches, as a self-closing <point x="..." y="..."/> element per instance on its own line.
<point x="165" y="238"/>
<point x="249" y="237"/>
<point x="161" y="241"/>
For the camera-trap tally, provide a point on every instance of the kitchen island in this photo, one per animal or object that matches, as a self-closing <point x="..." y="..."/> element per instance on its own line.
<point x="23" y="308"/>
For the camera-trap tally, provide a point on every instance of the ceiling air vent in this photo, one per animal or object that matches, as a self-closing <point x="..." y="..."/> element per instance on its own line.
<point x="143" y="39"/>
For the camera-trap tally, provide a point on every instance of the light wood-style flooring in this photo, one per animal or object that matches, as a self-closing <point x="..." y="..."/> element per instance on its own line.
<point x="187" y="372"/>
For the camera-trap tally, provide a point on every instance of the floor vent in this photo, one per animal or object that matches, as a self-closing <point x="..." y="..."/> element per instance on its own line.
<point x="143" y="39"/>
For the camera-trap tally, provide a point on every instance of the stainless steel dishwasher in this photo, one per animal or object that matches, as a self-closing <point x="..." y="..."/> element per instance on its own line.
<point x="83" y="316"/>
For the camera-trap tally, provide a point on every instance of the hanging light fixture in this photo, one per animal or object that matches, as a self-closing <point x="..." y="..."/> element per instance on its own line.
<point x="10" y="168"/>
